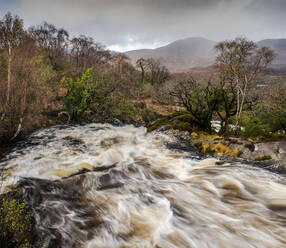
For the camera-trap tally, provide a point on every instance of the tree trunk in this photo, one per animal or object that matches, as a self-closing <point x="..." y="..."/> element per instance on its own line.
<point x="241" y="103"/>
<point x="18" y="129"/>
<point x="9" y="74"/>
<point x="237" y="109"/>
<point x="142" y="74"/>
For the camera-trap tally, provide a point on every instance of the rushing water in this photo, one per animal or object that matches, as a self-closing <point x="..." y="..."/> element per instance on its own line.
<point x="142" y="194"/>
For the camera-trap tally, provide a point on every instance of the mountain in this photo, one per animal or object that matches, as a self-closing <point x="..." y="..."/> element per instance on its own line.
<point x="279" y="46"/>
<point x="181" y="54"/>
<point x="198" y="52"/>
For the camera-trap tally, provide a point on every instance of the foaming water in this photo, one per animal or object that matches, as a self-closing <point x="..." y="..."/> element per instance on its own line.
<point x="103" y="186"/>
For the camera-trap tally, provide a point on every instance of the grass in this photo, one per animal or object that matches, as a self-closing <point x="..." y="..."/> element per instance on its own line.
<point x="219" y="150"/>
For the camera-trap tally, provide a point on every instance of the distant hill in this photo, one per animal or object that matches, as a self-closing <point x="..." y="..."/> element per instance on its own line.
<point x="198" y="52"/>
<point x="181" y="54"/>
<point x="279" y="46"/>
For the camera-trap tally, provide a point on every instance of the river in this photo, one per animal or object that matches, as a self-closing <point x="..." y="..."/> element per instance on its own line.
<point x="101" y="186"/>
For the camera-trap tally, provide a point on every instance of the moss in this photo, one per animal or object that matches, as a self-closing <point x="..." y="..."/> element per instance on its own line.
<point x="175" y="114"/>
<point x="263" y="157"/>
<point x="185" y="118"/>
<point x="178" y="120"/>
<point x="16" y="221"/>
<point x="183" y="126"/>
<point x="157" y="124"/>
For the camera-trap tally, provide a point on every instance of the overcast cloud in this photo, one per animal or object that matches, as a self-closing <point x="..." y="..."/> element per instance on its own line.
<point x="129" y="24"/>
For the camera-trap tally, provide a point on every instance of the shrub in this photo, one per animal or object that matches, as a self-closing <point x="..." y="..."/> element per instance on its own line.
<point x="148" y="115"/>
<point x="276" y="120"/>
<point x="254" y="127"/>
<point x="148" y="90"/>
<point x="78" y="97"/>
<point x="121" y="108"/>
<point x="97" y="94"/>
<point x="217" y="149"/>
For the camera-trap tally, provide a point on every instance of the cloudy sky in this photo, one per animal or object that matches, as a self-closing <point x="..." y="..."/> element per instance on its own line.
<point x="131" y="24"/>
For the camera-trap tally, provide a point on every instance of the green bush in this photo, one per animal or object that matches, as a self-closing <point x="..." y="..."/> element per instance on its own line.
<point x="254" y="127"/>
<point x="79" y="94"/>
<point x="121" y="108"/>
<point x="276" y="120"/>
<point x="148" y="90"/>
<point x="97" y="94"/>
<point x="148" y="115"/>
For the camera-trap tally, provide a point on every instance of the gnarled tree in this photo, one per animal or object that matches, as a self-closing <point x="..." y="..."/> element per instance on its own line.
<point x="199" y="100"/>
<point x="240" y="62"/>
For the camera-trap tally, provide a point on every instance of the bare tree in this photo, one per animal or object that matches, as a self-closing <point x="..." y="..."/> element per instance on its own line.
<point x="52" y="40"/>
<point x="11" y="35"/>
<point x="141" y="63"/>
<point x="240" y="61"/>
<point x="158" y="73"/>
<point x="86" y="53"/>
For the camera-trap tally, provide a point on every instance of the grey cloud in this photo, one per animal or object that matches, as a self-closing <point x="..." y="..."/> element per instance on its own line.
<point x="146" y="21"/>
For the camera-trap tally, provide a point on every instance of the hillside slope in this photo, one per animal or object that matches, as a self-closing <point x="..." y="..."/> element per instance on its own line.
<point x="199" y="52"/>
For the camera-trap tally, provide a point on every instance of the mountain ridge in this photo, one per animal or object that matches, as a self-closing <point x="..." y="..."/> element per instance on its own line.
<point x="199" y="52"/>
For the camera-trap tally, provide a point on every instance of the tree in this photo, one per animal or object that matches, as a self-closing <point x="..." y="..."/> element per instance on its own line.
<point x="153" y="71"/>
<point x="158" y="73"/>
<point x="240" y="62"/>
<point x="89" y="93"/>
<point x="272" y="109"/>
<point x="31" y="83"/>
<point x="119" y="61"/>
<point x="11" y="36"/>
<point x="227" y="105"/>
<point x="55" y="42"/>
<point x="85" y="53"/>
<point x="141" y="63"/>
<point x="200" y="101"/>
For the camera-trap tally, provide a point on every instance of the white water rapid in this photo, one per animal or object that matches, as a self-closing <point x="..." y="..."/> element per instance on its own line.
<point x="101" y="186"/>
